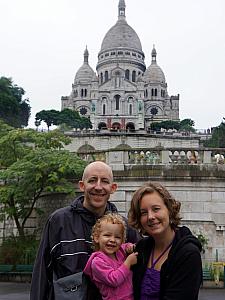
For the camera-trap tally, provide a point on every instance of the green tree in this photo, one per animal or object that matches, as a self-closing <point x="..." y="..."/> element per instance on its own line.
<point x="50" y="117"/>
<point x="187" y="125"/>
<point x="14" y="145"/>
<point x="65" y="118"/>
<point x="183" y="125"/>
<point x="218" y="137"/>
<point x="33" y="163"/>
<point x="85" y="123"/>
<point x="14" y="110"/>
<point x="70" y="118"/>
<point x="169" y="124"/>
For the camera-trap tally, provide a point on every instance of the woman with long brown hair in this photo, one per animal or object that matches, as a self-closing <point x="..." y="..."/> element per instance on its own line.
<point x="169" y="262"/>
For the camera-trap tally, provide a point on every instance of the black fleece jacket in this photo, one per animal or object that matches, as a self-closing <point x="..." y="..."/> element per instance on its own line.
<point x="66" y="246"/>
<point x="181" y="273"/>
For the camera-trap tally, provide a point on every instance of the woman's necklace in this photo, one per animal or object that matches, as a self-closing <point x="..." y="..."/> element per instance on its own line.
<point x="154" y="262"/>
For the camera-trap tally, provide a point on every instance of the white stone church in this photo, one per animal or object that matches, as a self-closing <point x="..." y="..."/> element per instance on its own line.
<point x="124" y="95"/>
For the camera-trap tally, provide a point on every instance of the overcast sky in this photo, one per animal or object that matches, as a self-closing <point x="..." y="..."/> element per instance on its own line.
<point x="42" y="44"/>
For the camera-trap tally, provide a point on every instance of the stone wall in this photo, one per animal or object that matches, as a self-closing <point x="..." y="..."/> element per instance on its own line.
<point x="200" y="191"/>
<point x="109" y="140"/>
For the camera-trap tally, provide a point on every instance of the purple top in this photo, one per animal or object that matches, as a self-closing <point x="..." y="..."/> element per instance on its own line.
<point x="150" y="286"/>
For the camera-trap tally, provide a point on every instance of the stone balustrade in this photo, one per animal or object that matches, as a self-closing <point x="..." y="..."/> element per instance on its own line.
<point x="176" y="156"/>
<point x="157" y="156"/>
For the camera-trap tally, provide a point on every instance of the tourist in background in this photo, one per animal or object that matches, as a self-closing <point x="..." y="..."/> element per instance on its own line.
<point x="169" y="262"/>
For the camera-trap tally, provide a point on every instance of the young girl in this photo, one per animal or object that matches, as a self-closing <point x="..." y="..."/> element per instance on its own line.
<point x="109" y="266"/>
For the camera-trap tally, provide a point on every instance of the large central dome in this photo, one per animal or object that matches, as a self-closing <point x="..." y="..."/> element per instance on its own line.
<point x="121" y="35"/>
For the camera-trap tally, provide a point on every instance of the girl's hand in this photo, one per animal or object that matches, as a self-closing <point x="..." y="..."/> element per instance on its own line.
<point x="131" y="260"/>
<point x="130" y="248"/>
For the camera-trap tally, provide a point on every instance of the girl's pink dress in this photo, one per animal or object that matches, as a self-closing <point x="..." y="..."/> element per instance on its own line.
<point x="111" y="276"/>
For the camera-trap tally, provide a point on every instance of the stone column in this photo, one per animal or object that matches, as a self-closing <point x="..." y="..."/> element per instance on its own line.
<point x="117" y="159"/>
<point x="165" y="157"/>
<point x="207" y="157"/>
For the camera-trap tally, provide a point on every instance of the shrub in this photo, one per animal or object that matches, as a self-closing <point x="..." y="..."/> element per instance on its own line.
<point x="17" y="250"/>
<point x="203" y="240"/>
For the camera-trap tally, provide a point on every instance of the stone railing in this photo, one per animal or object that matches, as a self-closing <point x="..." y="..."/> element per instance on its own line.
<point x="176" y="156"/>
<point x="157" y="156"/>
<point x="144" y="157"/>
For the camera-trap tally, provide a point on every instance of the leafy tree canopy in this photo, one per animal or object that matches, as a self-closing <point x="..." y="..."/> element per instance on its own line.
<point x="85" y="123"/>
<point x="184" y="125"/>
<point x="18" y="143"/>
<point x="187" y="125"/>
<point x="14" y="110"/>
<point x="50" y="117"/>
<point x="69" y="117"/>
<point x="32" y="163"/>
<point x="218" y="137"/>
<point x="66" y="117"/>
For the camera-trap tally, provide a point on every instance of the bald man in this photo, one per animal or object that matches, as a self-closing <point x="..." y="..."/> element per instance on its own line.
<point x="66" y="241"/>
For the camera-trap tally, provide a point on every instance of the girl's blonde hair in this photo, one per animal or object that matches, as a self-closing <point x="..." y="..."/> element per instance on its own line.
<point x="111" y="218"/>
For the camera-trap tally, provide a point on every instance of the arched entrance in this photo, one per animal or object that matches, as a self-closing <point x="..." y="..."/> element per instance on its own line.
<point x="130" y="126"/>
<point x="102" y="125"/>
<point x="116" y="126"/>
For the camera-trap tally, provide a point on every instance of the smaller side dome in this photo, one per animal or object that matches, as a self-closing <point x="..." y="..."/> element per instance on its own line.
<point x="85" y="74"/>
<point x="154" y="73"/>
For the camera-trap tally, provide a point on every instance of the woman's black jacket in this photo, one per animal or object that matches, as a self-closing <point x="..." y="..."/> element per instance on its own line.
<point x="181" y="273"/>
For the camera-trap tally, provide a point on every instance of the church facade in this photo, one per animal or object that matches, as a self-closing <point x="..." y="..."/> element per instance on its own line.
<point x="124" y="94"/>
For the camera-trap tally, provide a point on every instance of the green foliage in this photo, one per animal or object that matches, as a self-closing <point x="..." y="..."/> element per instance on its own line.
<point x="16" y="143"/>
<point x="187" y="125"/>
<point x="218" y="137"/>
<point x="17" y="250"/>
<point x="70" y="117"/>
<point x="51" y="140"/>
<point x="4" y="128"/>
<point x="67" y="118"/>
<point x="32" y="163"/>
<point x="203" y="240"/>
<point x="184" y="125"/>
<point x="50" y="117"/>
<point x="14" y="110"/>
<point x="85" y="123"/>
